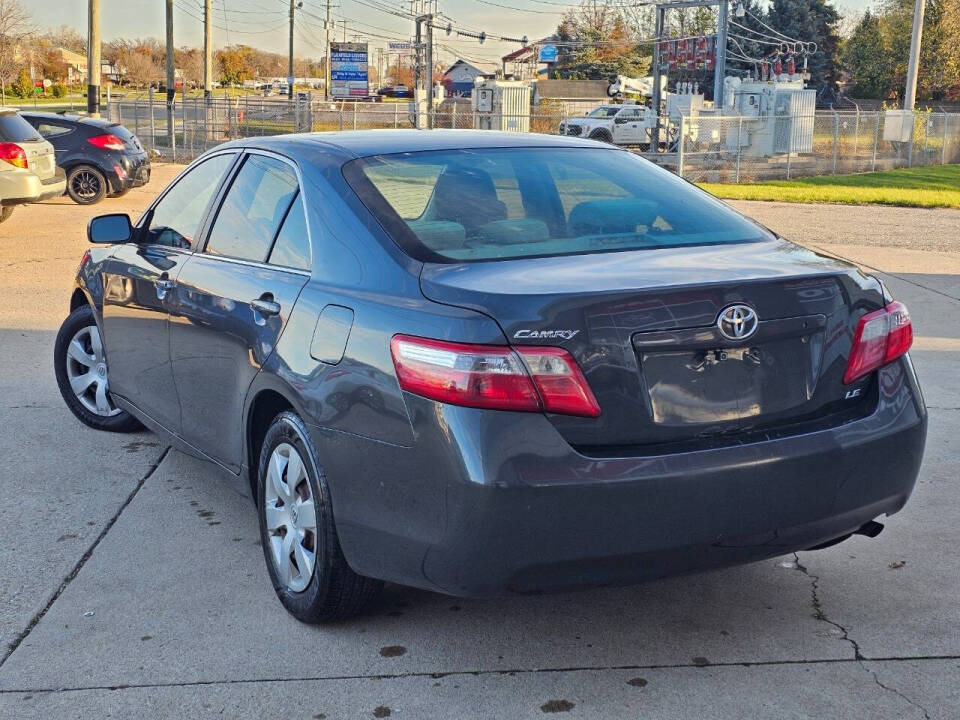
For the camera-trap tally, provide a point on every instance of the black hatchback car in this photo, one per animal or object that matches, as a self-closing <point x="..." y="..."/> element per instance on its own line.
<point x="480" y="362"/>
<point x="100" y="158"/>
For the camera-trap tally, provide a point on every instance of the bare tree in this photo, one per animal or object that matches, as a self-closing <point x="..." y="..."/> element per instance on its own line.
<point x="138" y="66"/>
<point x="14" y="31"/>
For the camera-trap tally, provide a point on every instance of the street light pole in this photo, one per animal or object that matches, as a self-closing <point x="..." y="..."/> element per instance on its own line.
<point x="93" y="58"/>
<point x="720" y="64"/>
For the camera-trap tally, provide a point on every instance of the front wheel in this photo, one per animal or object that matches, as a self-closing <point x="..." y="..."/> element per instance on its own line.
<point x="306" y="564"/>
<point x="86" y="185"/>
<point x="80" y="365"/>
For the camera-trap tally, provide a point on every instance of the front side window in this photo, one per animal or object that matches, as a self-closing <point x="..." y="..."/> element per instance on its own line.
<point x="487" y="204"/>
<point x="254" y="208"/>
<point x="176" y="219"/>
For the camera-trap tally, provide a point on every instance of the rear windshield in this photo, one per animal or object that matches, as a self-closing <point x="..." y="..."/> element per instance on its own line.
<point x="487" y="204"/>
<point x="14" y="128"/>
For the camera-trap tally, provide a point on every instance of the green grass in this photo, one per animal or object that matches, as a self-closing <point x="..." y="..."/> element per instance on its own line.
<point x="935" y="186"/>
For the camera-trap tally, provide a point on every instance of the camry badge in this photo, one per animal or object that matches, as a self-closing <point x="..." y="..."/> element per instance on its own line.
<point x="737" y="322"/>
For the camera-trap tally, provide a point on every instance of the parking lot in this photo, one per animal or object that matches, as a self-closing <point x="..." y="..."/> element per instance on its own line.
<point x="132" y="582"/>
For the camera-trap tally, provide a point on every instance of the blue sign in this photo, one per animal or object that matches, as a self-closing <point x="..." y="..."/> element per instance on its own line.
<point x="548" y="54"/>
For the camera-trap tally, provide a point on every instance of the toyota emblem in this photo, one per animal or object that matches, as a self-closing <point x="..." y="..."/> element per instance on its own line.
<point x="737" y="322"/>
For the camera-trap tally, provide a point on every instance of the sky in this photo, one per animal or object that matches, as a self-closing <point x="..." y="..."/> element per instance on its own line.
<point x="264" y="23"/>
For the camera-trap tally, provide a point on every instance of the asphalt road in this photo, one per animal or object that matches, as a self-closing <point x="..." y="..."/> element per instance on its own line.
<point x="132" y="584"/>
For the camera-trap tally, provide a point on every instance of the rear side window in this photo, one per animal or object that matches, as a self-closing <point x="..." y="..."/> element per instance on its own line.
<point x="14" y="128"/>
<point x="49" y="130"/>
<point x="176" y="218"/>
<point x="292" y="247"/>
<point x="489" y="204"/>
<point x="254" y="208"/>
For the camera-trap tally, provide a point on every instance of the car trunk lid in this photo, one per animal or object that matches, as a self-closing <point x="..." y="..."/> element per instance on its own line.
<point x="643" y="327"/>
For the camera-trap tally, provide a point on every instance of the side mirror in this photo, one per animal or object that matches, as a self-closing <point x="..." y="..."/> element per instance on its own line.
<point x="110" y="229"/>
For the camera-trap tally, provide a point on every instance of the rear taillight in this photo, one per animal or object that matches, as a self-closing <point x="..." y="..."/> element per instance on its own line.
<point x="882" y="336"/>
<point x="13" y="154"/>
<point x="529" y="379"/>
<point x="106" y="142"/>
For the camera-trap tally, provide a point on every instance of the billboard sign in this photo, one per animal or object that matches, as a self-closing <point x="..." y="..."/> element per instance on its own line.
<point x="348" y="70"/>
<point x="400" y="48"/>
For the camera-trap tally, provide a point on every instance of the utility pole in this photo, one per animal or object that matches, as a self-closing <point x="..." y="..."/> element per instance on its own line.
<point x="93" y="58"/>
<point x="326" y="57"/>
<point x="429" y="77"/>
<point x="207" y="49"/>
<point x="720" y="65"/>
<point x="171" y="93"/>
<point x="658" y="32"/>
<point x="290" y="60"/>
<point x="910" y="93"/>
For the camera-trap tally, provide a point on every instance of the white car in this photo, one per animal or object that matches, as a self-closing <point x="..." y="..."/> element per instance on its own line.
<point x="618" y="124"/>
<point x="28" y="171"/>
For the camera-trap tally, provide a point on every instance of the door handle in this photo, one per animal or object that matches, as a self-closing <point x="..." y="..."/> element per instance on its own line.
<point x="165" y="285"/>
<point x="266" y="305"/>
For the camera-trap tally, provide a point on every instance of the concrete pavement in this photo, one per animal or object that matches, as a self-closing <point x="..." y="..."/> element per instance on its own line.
<point x="162" y="607"/>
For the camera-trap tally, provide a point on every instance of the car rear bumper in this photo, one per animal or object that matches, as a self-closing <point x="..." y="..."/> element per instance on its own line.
<point x="22" y="186"/>
<point x="487" y="503"/>
<point x="136" y="173"/>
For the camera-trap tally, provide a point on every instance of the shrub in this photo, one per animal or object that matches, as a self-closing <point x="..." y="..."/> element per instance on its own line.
<point x="58" y="90"/>
<point x="23" y="86"/>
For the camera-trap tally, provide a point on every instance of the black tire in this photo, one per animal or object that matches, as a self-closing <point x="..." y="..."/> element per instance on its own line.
<point x="602" y="136"/>
<point x="86" y="185"/>
<point x="335" y="591"/>
<point x="5" y="212"/>
<point x="121" y="421"/>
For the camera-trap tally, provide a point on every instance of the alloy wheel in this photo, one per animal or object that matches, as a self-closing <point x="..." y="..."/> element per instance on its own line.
<point x="85" y="184"/>
<point x="87" y="372"/>
<point x="290" y="518"/>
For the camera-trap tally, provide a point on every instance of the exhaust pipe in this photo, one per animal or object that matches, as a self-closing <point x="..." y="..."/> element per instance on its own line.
<point x="870" y="529"/>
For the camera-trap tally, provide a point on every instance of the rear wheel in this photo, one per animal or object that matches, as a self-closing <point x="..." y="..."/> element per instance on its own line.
<point x="5" y="212"/>
<point x="602" y="136"/>
<point x="80" y="365"/>
<point x="306" y="564"/>
<point x="86" y="185"/>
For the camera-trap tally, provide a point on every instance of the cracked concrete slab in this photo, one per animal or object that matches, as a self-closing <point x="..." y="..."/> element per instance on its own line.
<point x="189" y="600"/>
<point x="786" y="692"/>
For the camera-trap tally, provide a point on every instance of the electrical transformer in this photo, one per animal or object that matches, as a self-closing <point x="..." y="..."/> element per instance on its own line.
<point x="501" y="104"/>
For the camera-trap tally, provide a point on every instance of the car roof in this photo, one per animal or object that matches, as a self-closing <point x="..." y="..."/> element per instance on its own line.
<point x="366" y="143"/>
<point x="101" y="122"/>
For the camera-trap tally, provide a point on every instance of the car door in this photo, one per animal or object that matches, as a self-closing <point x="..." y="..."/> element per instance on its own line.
<point x="232" y="300"/>
<point x="626" y="126"/>
<point x="137" y="280"/>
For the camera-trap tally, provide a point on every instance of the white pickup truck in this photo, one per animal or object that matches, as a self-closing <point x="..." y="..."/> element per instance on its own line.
<point x="618" y="124"/>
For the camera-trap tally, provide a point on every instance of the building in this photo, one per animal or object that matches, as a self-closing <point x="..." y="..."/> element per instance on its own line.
<point x="459" y="77"/>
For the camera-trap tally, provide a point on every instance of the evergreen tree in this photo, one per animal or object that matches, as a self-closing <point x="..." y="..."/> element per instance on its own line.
<point x="23" y="86"/>
<point x="811" y="21"/>
<point x="867" y="59"/>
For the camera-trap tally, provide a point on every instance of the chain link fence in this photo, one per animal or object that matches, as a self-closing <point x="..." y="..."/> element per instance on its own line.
<point x="706" y="148"/>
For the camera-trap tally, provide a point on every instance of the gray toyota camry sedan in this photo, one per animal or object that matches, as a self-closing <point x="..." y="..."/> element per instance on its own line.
<point x="483" y="363"/>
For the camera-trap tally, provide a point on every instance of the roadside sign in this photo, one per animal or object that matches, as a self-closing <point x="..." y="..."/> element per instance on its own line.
<point x="348" y="70"/>
<point x="400" y="48"/>
<point x="548" y="54"/>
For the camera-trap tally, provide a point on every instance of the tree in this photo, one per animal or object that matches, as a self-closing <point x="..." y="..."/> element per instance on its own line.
<point x="138" y="66"/>
<point x="235" y="63"/>
<point x="68" y="38"/>
<point x="14" y="30"/>
<point x="597" y="42"/>
<point x="811" y="21"/>
<point x="867" y="60"/>
<point x="23" y="86"/>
